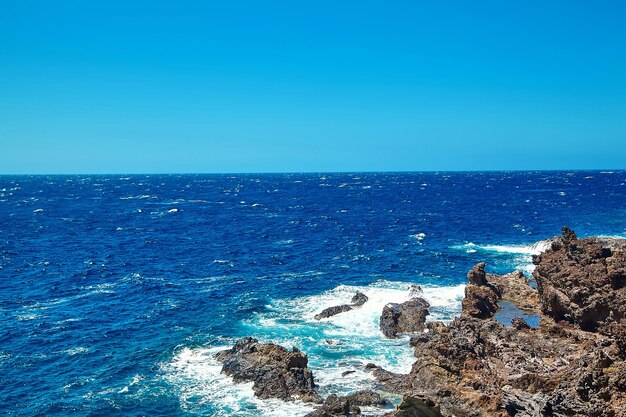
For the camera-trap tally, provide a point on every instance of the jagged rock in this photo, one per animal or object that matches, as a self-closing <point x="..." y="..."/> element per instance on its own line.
<point x="335" y="406"/>
<point x="408" y="317"/>
<point x="477" y="275"/>
<point x="275" y="371"/>
<point x="357" y="301"/>
<point x="416" y="407"/>
<point x="368" y="398"/>
<point x="582" y="281"/>
<point x="415" y="290"/>
<point x="518" y="323"/>
<point x="333" y="311"/>
<point x="479" y="367"/>
<point x="481" y="297"/>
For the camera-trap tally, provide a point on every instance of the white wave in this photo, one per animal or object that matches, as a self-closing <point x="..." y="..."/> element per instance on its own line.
<point x="516" y="249"/>
<point x="77" y="350"/>
<point x="196" y="376"/>
<point x="342" y="343"/>
<point x="357" y="331"/>
<point x="418" y="236"/>
<point x="137" y="197"/>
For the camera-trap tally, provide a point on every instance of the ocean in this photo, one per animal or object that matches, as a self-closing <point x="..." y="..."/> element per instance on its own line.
<point x="116" y="290"/>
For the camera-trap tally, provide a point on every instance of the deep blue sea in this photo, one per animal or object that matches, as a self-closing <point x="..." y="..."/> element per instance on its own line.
<point x="116" y="290"/>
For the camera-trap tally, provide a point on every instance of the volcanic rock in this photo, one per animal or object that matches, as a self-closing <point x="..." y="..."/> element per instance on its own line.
<point x="481" y="298"/>
<point x="583" y="281"/>
<point x="276" y="371"/>
<point x="357" y="301"/>
<point x="574" y="366"/>
<point x="408" y="317"/>
<point x="335" y="406"/>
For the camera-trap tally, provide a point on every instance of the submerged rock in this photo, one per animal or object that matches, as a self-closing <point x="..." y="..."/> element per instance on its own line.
<point x="357" y="301"/>
<point x="408" y="317"/>
<point x="333" y="311"/>
<point x="276" y="372"/>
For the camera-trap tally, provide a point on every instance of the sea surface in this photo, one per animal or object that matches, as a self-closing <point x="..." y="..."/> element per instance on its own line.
<point x="115" y="291"/>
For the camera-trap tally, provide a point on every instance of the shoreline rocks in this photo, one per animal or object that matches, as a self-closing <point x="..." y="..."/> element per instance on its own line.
<point x="276" y="371"/>
<point x="572" y="364"/>
<point x="582" y="282"/>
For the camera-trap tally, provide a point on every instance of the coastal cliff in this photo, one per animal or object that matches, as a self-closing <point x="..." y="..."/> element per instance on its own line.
<point x="557" y="348"/>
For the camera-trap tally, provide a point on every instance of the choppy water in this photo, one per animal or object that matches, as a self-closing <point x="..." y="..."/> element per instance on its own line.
<point x="116" y="290"/>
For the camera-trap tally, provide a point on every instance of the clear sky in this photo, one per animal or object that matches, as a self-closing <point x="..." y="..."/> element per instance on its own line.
<point x="271" y="86"/>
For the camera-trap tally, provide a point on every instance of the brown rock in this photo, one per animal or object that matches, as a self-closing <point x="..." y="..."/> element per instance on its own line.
<point x="275" y="371"/>
<point x="408" y="317"/>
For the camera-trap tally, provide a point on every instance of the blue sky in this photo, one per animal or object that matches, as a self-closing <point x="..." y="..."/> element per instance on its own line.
<point x="150" y="86"/>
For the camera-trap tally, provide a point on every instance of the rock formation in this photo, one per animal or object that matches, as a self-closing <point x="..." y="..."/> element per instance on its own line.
<point x="582" y="281"/>
<point x="357" y="301"/>
<point x="349" y="405"/>
<point x="408" y="317"/>
<point x="276" y="372"/>
<point x="481" y="297"/>
<point x="574" y="364"/>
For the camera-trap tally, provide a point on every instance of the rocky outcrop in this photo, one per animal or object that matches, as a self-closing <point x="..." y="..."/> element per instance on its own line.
<point x="574" y="366"/>
<point x="276" y="372"/>
<point x="408" y="317"/>
<point x="481" y="298"/>
<point x="582" y="281"/>
<point x="349" y="405"/>
<point x="415" y="407"/>
<point x="357" y="301"/>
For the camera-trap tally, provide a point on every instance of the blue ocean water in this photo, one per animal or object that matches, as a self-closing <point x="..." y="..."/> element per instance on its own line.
<point x="116" y="290"/>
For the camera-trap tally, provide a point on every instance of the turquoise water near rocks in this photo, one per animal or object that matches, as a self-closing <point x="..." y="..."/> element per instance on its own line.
<point x="115" y="291"/>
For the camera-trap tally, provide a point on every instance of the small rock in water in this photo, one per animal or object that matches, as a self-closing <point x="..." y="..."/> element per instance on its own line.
<point x="359" y="299"/>
<point x="408" y="317"/>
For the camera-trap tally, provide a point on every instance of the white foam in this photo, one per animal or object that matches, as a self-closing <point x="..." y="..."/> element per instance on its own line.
<point x="354" y="336"/>
<point x="196" y="376"/>
<point x="517" y="249"/>
<point x="358" y="330"/>
<point x="418" y="236"/>
<point x="77" y="350"/>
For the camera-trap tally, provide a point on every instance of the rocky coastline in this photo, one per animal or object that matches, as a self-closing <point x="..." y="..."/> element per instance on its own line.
<point x="560" y="352"/>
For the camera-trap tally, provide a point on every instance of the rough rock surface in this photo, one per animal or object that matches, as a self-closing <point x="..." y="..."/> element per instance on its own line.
<point x="335" y="406"/>
<point x="408" y="317"/>
<point x="276" y="372"/>
<point x="415" y="407"/>
<point x="575" y="366"/>
<point x="582" y="281"/>
<point x="357" y="301"/>
<point x="481" y="297"/>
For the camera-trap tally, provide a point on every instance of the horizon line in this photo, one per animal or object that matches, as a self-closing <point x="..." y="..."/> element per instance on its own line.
<point x="316" y="172"/>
